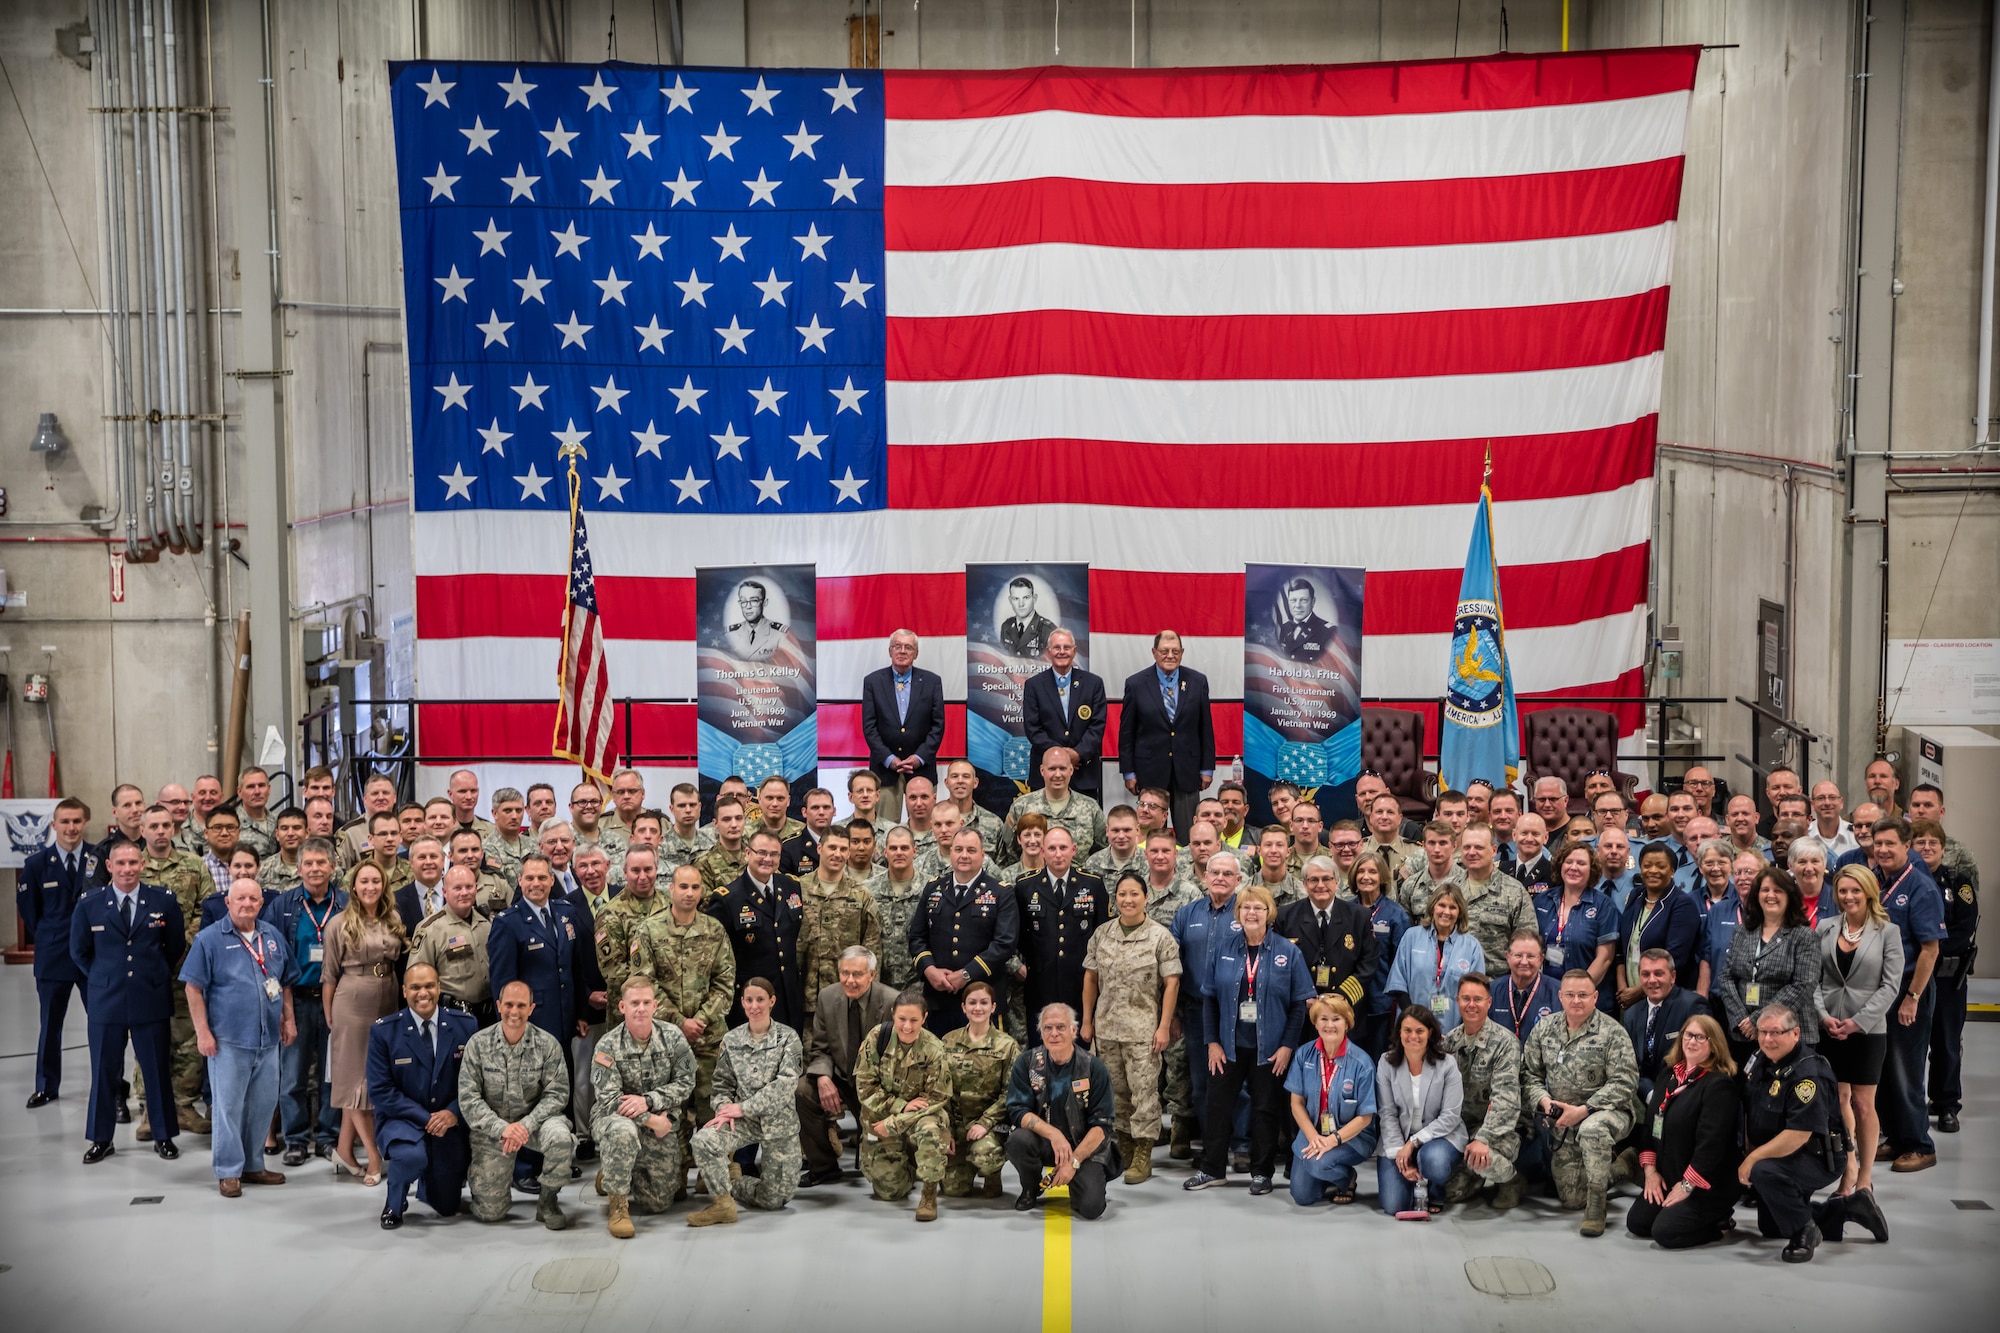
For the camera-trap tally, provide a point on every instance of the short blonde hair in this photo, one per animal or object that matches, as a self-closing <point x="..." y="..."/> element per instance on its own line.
<point x="1323" y="1005"/>
<point x="1256" y="893"/>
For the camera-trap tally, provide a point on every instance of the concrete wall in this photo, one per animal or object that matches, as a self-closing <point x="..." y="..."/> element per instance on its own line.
<point x="1752" y="366"/>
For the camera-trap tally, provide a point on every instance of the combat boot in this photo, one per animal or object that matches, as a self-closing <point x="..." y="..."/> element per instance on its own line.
<point x="193" y="1121"/>
<point x="548" y="1211"/>
<point x="1181" y="1147"/>
<point x="598" y="1184"/>
<point x="1124" y="1143"/>
<point x="1139" y="1163"/>
<point x="721" y="1210"/>
<point x="1461" y="1187"/>
<point x="1593" y="1214"/>
<point x="994" y="1188"/>
<point x="619" y="1223"/>
<point x="927" y="1205"/>
<point x="1625" y="1166"/>
<point x="1508" y="1194"/>
<point x="143" y="1131"/>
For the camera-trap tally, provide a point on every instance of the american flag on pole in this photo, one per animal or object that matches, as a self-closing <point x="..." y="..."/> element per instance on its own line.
<point x="584" y="715"/>
<point x="1165" y="322"/>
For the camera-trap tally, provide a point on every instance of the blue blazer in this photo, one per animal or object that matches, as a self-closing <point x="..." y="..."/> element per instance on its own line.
<point x="1045" y="725"/>
<point x="918" y="733"/>
<point x="557" y="963"/>
<point x="1674" y="926"/>
<point x="1170" y="755"/>
<point x="131" y="975"/>
<point x="45" y="898"/>
<point x="405" y="1082"/>
<point x="1284" y="989"/>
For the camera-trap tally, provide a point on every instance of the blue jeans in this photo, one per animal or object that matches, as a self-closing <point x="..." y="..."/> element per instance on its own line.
<point x="1905" y="1114"/>
<point x="302" y="1065"/>
<point x="1312" y="1177"/>
<point x="1436" y="1160"/>
<point x="244" y="1085"/>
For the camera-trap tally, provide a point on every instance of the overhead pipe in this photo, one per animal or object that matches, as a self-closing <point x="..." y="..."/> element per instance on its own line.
<point x="1982" y="430"/>
<point x="162" y="321"/>
<point x="134" y="97"/>
<point x="185" y="491"/>
<point x="113" y="258"/>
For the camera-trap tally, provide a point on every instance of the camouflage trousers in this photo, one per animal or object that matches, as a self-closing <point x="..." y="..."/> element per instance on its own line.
<point x="697" y="1110"/>
<point x="1176" y="1092"/>
<point x="188" y="1066"/>
<point x="492" y="1175"/>
<point x="893" y="1164"/>
<point x="983" y="1156"/>
<point x="639" y="1164"/>
<point x="1135" y="1085"/>
<point x="1580" y="1158"/>
<point x="779" y="1161"/>
<point x="1465" y="1182"/>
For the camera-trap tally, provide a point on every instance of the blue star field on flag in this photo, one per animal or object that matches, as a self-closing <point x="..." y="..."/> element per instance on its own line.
<point x="680" y="270"/>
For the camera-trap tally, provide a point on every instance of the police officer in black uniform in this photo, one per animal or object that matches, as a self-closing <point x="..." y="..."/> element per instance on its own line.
<point x="760" y="910"/>
<point x="1793" y="1129"/>
<point x="1059" y="909"/>
<point x="963" y="931"/>
<point x="1335" y="934"/>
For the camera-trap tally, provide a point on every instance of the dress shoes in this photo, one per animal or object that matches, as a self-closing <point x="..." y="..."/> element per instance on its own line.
<point x="36" y="1099"/>
<point x="122" y="1113"/>
<point x="166" y="1149"/>
<point x="231" y="1187"/>
<point x="1914" y="1161"/>
<point x="263" y="1177"/>
<point x="96" y="1153"/>
<point x="296" y="1156"/>
<point x="390" y="1221"/>
<point x="1947" y="1123"/>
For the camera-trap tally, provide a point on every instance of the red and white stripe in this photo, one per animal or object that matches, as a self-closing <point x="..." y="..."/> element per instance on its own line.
<point x="585" y="724"/>
<point x="1171" y="322"/>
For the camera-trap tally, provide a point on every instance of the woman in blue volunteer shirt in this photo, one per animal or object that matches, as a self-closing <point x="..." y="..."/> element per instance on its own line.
<point x="1332" y="1085"/>
<point x="1579" y="924"/>
<point x="1433" y="957"/>
<point x="1368" y="881"/>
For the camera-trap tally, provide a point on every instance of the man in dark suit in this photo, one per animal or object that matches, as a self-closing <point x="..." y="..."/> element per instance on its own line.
<point x="1065" y="706"/>
<point x="843" y="1014"/>
<point x="963" y="930"/>
<point x="1058" y="908"/>
<point x="761" y="911"/>
<point x="1166" y="735"/>
<point x="1335" y="934"/>
<point x="424" y="893"/>
<point x="549" y="943"/>
<point x="127" y="939"/>
<point x="413" y="1062"/>
<point x="1655" y="1023"/>
<point x="902" y="718"/>
<point x="47" y="890"/>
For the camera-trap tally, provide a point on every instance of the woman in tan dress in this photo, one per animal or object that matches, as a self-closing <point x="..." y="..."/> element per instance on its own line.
<point x="358" y="985"/>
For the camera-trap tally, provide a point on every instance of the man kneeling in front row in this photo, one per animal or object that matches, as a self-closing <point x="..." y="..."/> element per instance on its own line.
<point x="512" y="1088"/>
<point x="1060" y="1106"/>
<point x="415" y="1059"/>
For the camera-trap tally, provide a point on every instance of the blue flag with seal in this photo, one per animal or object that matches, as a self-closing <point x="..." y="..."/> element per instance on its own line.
<point x="1482" y="737"/>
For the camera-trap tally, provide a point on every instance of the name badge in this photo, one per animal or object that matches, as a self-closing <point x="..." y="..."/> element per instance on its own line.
<point x="1752" y="994"/>
<point x="271" y="987"/>
<point x="1246" y="1012"/>
<point x="1440" y="1004"/>
<point x="403" y="1059"/>
<point x="1322" y="976"/>
<point x="1659" y="1127"/>
<point x="315" y="954"/>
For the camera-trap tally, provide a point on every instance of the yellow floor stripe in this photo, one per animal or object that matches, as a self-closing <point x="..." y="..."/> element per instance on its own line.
<point x="1055" y="1261"/>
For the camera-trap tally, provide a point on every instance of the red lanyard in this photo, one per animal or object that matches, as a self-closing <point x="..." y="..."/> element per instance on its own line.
<point x="256" y="951"/>
<point x="1326" y="1067"/>
<point x="1250" y="965"/>
<point x="319" y="922"/>
<point x="1682" y="1081"/>
<point x="1520" y="1006"/>
<point x="1437" y="983"/>
<point x="1562" y="920"/>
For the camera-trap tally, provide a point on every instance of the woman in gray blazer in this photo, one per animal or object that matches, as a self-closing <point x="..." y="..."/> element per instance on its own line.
<point x="1419" y="1096"/>
<point x="1861" y="976"/>
<point x="1773" y="959"/>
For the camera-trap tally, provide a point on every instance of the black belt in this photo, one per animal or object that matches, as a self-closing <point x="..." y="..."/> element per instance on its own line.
<point x="305" y="992"/>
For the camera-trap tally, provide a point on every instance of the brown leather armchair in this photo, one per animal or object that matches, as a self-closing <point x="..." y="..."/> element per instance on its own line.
<point x="1571" y="744"/>
<point x="1392" y="744"/>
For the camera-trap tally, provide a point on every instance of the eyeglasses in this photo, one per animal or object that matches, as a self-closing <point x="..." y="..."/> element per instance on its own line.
<point x="1345" y="844"/>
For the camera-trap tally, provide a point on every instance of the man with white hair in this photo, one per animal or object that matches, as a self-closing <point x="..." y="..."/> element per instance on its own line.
<point x="1201" y="929"/>
<point x="1059" y="1104"/>
<point x="1551" y="801"/>
<point x="902" y="718"/>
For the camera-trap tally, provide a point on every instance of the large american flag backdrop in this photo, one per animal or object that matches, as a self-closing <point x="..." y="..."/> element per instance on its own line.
<point x="1165" y="322"/>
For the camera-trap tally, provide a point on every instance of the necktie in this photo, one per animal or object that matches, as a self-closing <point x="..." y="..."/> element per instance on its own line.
<point x="130" y="899"/>
<point x="429" y="1043"/>
<point x="69" y="862"/>
<point x="853" y="1029"/>
<point x="1167" y="697"/>
<point x="1062" y="693"/>
<point x="1652" y="1015"/>
<point x="903" y="699"/>
<point x="1322" y="923"/>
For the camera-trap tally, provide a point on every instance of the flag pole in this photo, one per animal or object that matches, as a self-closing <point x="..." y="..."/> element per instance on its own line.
<point x="572" y="450"/>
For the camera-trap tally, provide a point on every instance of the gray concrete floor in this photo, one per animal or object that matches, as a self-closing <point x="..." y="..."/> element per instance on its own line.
<point x="77" y="1249"/>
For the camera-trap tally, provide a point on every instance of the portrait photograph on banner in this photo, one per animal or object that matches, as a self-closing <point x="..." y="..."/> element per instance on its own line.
<point x="757" y="696"/>
<point x="1010" y="611"/>
<point x="1302" y="684"/>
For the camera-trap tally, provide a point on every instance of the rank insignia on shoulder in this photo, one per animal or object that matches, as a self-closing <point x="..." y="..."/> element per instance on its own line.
<point x="1806" y="1091"/>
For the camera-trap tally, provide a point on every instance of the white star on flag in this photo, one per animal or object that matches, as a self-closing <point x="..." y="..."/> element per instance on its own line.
<point x="533" y="484"/>
<point x="812" y="243"/>
<point x="569" y="437"/>
<point x="454" y="393"/>
<point x="680" y="97"/>
<point x="649" y="441"/>
<point x="729" y="444"/>
<point x="650" y="243"/>
<point x="843" y="96"/>
<point x="495" y="438"/>
<point x="598" y="92"/>
<point x="682" y="187"/>
<point x="854" y="290"/>
<point x="491" y="241"/>
<point x="843" y="185"/>
<point x="459" y="484"/>
<point x="559" y="139"/>
<point x="732" y="244"/>
<point x="601" y="187"/>
<point x="720" y="142"/>
<point x="849" y="487"/>
<point x="735" y="336"/>
<point x="802" y="142"/>
<point x="763" y="189"/>
<point x="760" y="98"/>
<point x="435" y="90"/>
<point x="517" y="91"/>
<point x="690" y="487"/>
<point x="641" y="143"/>
<point x="652" y="338"/>
<point x="611" y="486"/>
<point x="612" y="286"/>
<point x="767" y="399"/>
<point x="530" y="392"/>
<point x="850" y="398"/>
<point x="521" y="183"/>
<point x="814" y="334"/>
<point x="441" y="184"/>
<point x="687" y="396"/>
<point x="494" y="328"/>
<point x="808" y="442"/>
<point x="454" y="286"/>
<point x="773" y="289"/>
<point x="609" y="395"/>
<point x="572" y="332"/>
<point x="478" y="138"/>
<point x="769" y="486"/>
<point x="568" y="241"/>
<point x="692" y="289"/>
<point x="531" y="286"/>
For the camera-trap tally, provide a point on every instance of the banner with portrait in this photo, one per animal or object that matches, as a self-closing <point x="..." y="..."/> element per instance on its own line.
<point x="1010" y="611"/>
<point x="1302" y="684"/>
<point x="756" y="695"/>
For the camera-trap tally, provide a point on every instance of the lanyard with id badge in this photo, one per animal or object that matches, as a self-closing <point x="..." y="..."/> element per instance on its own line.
<point x="1753" y="994"/>
<point x="256" y="952"/>
<point x="1666" y="1099"/>
<point x="1440" y="1002"/>
<point x="1328" y="1066"/>
<point x="316" y="951"/>
<point x="1246" y="1012"/>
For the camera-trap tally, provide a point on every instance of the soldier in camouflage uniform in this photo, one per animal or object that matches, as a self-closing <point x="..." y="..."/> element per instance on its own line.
<point x="1418" y="878"/>
<point x="904" y="1085"/>
<point x="383" y="829"/>
<point x="961" y="779"/>
<point x="687" y="954"/>
<point x="1496" y="904"/>
<point x="275" y="874"/>
<point x="774" y="798"/>
<point x="641" y="1074"/>
<point x="512" y="1088"/>
<point x="683" y="837"/>
<point x="839" y="913"/>
<point x="253" y="811"/>
<point x="979" y="1062"/>
<point x="452" y="942"/>
<point x="897" y="892"/>
<point x="506" y="845"/>
<point x="586" y="804"/>
<point x="1131" y="986"/>
<point x="1055" y="802"/>
<point x="183" y="875"/>
<point x="1167" y="891"/>
<point x="495" y="891"/>
<point x="618" y="925"/>
<point x="756" y="1090"/>
<point x="729" y="855"/>
<point x="1489" y="1064"/>
<point x="932" y="861"/>
<point x="1578" y="1065"/>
